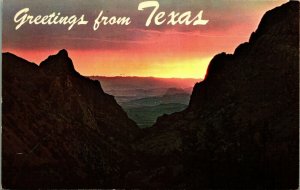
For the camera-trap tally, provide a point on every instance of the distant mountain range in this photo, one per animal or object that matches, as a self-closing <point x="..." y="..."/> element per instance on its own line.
<point x="128" y="88"/>
<point x="147" y="98"/>
<point x="240" y="129"/>
<point x="145" y="111"/>
<point x="144" y="83"/>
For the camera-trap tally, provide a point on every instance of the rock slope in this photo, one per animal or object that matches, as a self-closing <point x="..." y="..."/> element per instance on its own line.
<point x="241" y="128"/>
<point x="59" y="128"/>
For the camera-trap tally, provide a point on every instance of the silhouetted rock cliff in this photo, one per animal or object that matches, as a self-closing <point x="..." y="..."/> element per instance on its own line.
<point x="242" y="125"/>
<point x="59" y="128"/>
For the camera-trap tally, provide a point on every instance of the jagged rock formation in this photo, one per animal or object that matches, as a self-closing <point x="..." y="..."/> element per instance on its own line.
<point x="59" y="128"/>
<point x="242" y="125"/>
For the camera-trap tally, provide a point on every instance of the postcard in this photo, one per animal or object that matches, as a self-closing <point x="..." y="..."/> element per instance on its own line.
<point x="158" y="94"/>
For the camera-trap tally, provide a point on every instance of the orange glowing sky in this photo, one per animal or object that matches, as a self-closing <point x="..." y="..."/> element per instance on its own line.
<point x="167" y="51"/>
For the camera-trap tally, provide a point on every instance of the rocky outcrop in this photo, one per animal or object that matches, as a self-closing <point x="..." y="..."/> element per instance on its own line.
<point x="59" y="128"/>
<point x="242" y="125"/>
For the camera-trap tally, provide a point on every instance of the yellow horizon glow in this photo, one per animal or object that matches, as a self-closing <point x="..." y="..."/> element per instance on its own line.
<point x="179" y="68"/>
<point x="112" y="64"/>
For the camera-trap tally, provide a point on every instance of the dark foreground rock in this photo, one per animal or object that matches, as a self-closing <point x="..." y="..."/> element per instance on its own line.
<point x="59" y="128"/>
<point x="241" y="128"/>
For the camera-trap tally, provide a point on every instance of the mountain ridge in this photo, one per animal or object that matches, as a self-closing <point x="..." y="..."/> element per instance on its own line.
<point x="60" y="128"/>
<point x="234" y="133"/>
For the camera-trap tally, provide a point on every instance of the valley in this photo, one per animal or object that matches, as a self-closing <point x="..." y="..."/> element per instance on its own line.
<point x="147" y="98"/>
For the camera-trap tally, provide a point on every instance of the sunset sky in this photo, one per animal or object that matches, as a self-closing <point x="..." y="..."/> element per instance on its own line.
<point x="134" y="50"/>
